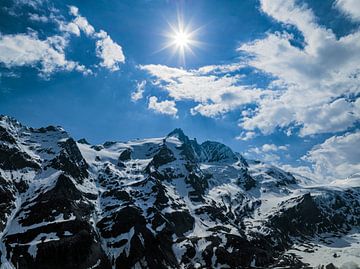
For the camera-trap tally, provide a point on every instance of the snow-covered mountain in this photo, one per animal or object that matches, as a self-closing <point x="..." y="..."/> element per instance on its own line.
<point x="166" y="202"/>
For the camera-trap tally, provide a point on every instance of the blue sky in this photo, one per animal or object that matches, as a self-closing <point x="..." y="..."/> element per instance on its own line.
<point x="276" y="80"/>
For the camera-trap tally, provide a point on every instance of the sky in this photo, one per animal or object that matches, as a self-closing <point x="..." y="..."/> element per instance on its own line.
<point x="276" y="80"/>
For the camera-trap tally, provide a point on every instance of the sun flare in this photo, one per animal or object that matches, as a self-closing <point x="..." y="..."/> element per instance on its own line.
<point x="181" y="39"/>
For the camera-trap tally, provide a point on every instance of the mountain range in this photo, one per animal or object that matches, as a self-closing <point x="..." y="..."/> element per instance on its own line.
<point x="165" y="202"/>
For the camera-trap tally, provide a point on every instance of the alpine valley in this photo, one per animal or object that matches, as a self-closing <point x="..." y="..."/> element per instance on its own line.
<point x="165" y="202"/>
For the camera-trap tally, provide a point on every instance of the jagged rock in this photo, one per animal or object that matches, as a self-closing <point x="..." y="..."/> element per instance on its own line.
<point x="46" y="129"/>
<point x="217" y="152"/>
<point x="12" y="158"/>
<point x="6" y="136"/>
<point x="245" y="180"/>
<point x="125" y="155"/>
<point x="156" y="203"/>
<point x="7" y="198"/>
<point x="182" y="222"/>
<point x="164" y="156"/>
<point x="83" y="141"/>
<point x="70" y="160"/>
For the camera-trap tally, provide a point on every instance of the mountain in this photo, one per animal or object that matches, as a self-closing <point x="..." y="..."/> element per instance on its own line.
<point x="165" y="202"/>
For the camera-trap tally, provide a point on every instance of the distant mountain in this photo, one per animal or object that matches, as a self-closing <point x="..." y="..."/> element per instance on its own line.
<point x="165" y="202"/>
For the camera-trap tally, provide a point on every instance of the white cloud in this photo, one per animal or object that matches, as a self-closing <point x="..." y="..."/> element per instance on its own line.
<point x="38" y="18"/>
<point x="309" y="80"/>
<point x="271" y="158"/>
<point x="303" y="171"/>
<point x="29" y="50"/>
<point x="138" y="93"/>
<point x="267" y="153"/>
<point x="69" y="28"/>
<point x="81" y="22"/>
<point x="164" y="107"/>
<point x="332" y="117"/>
<point x="215" y="93"/>
<point x="110" y="52"/>
<point x="272" y="147"/>
<point x="245" y="136"/>
<point x="267" y="148"/>
<point x="315" y="78"/>
<point x="73" y="10"/>
<point x="283" y="147"/>
<point x="84" y="25"/>
<point x="350" y="8"/>
<point x="48" y="53"/>
<point x="338" y="157"/>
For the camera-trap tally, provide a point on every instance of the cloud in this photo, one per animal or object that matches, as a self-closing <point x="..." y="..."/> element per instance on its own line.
<point x="316" y="76"/>
<point x="69" y="28"/>
<point x="267" y="148"/>
<point x="272" y="147"/>
<point x="81" y="22"/>
<point x="245" y="136"/>
<point x="84" y="25"/>
<point x="338" y="157"/>
<point x="110" y="52"/>
<point x="216" y="93"/>
<point x="38" y="18"/>
<point x="28" y="50"/>
<point x="47" y="53"/>
<point x="301" y="87"/>
<point x="266" y="153"/>
<point x="138" y="93"/>
<point x="107" y="50"/>
<point x="77" y="25"/>
<point x="164" y="107"/>
<point x="350" y="8"/>
<point x="302" y="171"/>
<point x="74" y="10"/>
<point x="271" y="158"/>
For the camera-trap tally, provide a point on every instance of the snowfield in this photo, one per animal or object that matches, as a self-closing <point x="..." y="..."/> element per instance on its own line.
<point x="164" y="202"/>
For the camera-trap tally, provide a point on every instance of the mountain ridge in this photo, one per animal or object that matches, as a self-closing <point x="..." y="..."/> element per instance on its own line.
<point x="164" y="202"/>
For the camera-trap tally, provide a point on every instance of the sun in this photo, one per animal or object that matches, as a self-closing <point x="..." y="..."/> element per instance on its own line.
<point x="181" y="39"/>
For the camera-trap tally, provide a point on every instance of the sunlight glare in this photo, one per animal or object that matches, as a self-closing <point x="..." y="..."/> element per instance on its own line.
<point x="181" y="39"/>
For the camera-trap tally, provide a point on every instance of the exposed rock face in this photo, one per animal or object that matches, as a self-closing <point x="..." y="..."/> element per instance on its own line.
<point x="125" y="155"/>
<point x="70" y="160"/>
<point x="217" y="152"/>
<point x="12" y="158"/>
<point x="154" y="203"/>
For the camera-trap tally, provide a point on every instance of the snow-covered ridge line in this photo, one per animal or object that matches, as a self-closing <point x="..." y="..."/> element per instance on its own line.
<point x="165" y="202"/>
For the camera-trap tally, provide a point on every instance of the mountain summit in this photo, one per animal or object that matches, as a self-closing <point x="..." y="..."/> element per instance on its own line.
<point x="165" y="202"/>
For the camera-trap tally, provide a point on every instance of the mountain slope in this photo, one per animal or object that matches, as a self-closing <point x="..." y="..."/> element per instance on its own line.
<point x="158" y="203"/>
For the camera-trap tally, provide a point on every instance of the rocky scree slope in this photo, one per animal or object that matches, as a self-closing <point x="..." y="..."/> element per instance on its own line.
<point x="155" y="203"/>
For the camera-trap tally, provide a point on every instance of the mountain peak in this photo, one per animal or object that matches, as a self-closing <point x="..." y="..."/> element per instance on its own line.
<point x="9" y="123"/>
<point x="179" y="133"/>
<point x="150" y="189"/>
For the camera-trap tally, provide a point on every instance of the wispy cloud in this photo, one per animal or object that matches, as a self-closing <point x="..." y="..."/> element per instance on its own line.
<point x="268" y="148"/>
<point x="245" y="136"/>
<point x="109" y="51"/>
<point x="139" y="91"/>
<point x="215" y="92"/>
<point x="163" y="107"/>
